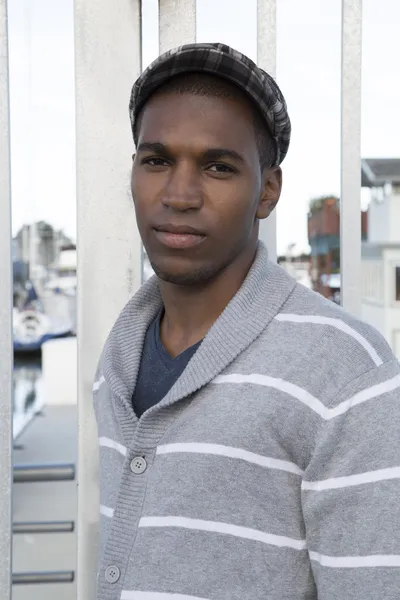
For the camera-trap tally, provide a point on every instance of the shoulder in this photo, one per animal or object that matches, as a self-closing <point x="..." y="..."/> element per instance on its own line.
<point x="332" y="344"/>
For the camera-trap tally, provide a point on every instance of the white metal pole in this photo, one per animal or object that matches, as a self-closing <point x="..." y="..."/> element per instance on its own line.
<point x="266" y="58"/>
<point x="177" y="23"/>
<point x="350" y="203"/>
<point x="6" y="353"/>
<point x="107" y="59"/>
<point x="30" y="184"/>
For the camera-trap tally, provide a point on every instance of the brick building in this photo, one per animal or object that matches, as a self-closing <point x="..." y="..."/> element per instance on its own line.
<point x="324" y="239"/>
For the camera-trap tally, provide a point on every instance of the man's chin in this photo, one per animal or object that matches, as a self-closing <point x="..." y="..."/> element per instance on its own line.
<point x="185" y="277"/>
<point x="181" y="279"/>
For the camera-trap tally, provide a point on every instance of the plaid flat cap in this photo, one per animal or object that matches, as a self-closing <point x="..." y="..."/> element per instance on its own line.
<point x="223" y="61"/>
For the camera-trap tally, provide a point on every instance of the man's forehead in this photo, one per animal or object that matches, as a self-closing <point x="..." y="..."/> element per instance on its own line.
<point x="214" y="114"/>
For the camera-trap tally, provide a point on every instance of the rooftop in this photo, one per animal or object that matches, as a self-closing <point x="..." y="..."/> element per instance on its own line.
<point x="378" y="171"/>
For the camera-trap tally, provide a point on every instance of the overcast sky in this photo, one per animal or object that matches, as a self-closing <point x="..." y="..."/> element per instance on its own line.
<point x="308" y="71"/>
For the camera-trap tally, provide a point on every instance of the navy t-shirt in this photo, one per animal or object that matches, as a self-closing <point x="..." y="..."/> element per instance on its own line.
<point x="158" y="371"/>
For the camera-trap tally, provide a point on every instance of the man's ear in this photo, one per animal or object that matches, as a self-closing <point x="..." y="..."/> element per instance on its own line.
<point x="270" y="191"/>
<point x="133" y="156"/>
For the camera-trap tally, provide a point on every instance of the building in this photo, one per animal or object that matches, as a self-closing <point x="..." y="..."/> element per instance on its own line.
<point x="40" y="244"/>
<point x="381" y="251"/>
<point x="380" y="230"/>
<point x="324" y="240"/>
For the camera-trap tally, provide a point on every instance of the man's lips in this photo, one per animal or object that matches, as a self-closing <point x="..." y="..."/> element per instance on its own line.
<point x="178" y="240"/>
<point x="180" y="236"/>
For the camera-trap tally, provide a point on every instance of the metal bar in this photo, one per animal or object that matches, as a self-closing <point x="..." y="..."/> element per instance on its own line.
<point x="107" y="61"/>
<point x="350" y="205"/>
<point x="43" y="577"/>
<point x="42" y="473"/>
<point x="33" y="527"/>
<point x="266" y="59"/>
<point x="177" y="23"/>
<point x="6" y="354"/>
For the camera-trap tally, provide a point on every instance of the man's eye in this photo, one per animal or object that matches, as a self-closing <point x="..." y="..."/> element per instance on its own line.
<point x="221" y="168"/>
<point x="155" y="162"/>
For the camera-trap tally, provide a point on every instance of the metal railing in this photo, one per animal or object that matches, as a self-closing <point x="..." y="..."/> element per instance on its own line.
<point x="34" y="527"/>
<point x="6" y="345"/>
<point x="40" y="474"/>
<point x="43" y="577"/>
<point x="109" y="35"/>
<point x="350" y="171"/>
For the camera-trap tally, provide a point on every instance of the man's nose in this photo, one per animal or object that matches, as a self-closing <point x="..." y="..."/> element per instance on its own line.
<point x="183" y="188"/>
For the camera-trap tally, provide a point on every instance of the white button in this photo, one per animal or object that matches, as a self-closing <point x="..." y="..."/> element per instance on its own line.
<point x="138" y="465"/>
<point x="112" y="574"/>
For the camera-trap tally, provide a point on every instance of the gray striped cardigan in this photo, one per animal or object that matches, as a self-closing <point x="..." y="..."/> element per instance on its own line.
<point x="270" y="471"/>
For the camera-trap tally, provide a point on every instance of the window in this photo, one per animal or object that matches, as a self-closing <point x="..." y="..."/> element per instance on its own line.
<point x="397" y="271"/>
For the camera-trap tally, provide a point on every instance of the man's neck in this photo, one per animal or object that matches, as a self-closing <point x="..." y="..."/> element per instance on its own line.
<point x="190" y="311"/>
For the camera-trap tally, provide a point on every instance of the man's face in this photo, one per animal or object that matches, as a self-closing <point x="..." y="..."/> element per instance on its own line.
<point x="197" y="185"/>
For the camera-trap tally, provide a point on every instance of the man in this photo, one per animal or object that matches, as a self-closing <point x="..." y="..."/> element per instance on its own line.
<point x="249" y="428"/>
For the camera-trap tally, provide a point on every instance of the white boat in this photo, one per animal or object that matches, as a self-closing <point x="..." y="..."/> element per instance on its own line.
<point x="59" y="293"/>
<point x="33" y="328"/>
<point x="64" y="278"/>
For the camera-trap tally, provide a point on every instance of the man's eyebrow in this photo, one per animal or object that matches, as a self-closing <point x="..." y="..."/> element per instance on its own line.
<point x="208" y="155"/>
<point x="217" y="153"/>
<point x="157" y="147"/>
